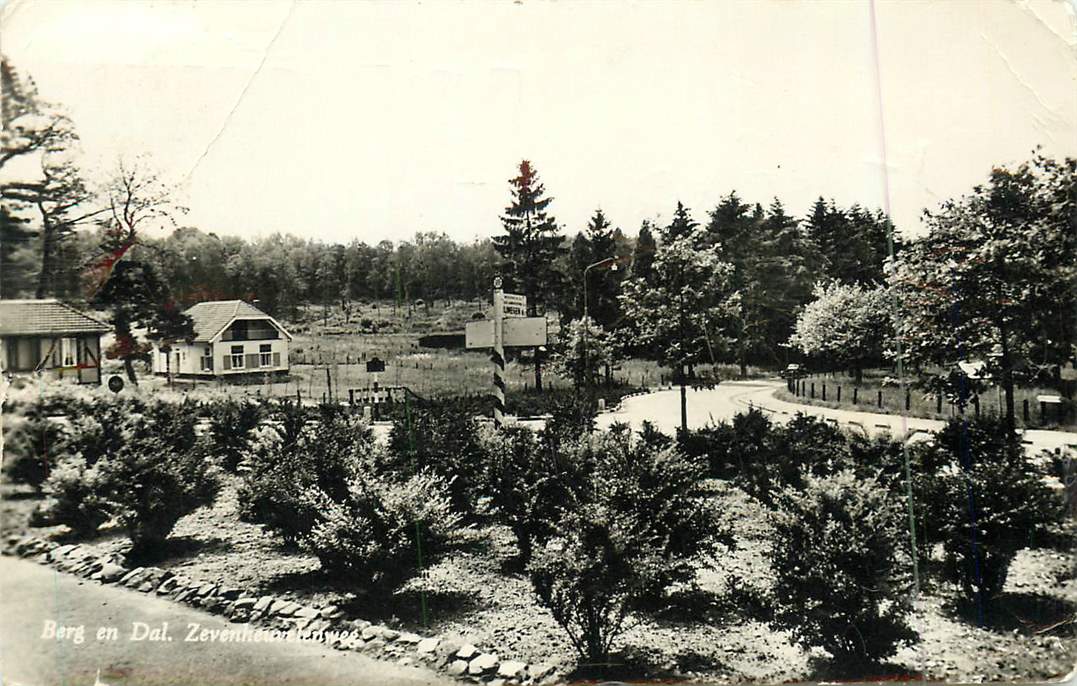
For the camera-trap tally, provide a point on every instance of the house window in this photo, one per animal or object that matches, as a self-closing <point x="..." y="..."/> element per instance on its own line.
<point x="68" y="352"/>
<point x="265" y="355"/>
<point x="237" y="357"/>
<point x="207" y="364"/>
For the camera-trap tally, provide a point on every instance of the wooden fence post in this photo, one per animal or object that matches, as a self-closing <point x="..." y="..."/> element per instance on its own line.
<point x="813" y="390"/>
<point x="880" y="399"/>
<point x="856" y="392"/>
<point x="839" y="394"/>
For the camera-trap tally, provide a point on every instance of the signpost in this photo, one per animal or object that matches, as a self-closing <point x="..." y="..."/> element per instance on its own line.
<point x="509" y="327"/>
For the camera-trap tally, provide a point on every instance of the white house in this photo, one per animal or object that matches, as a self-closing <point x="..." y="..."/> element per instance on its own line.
<point x="232" y="338"/>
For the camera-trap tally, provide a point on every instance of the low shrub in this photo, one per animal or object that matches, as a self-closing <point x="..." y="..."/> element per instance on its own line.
<point x="78" y="496"/>
<point x="444" y="441"/>
<point x="526" y="480"/>
<point x="637" y="524"/>
<point x="289" y="461"/>
<point x="990" y="501"/>
<point x="137" y="462"/>
<point x="839" y="582"/>
<point x="32" y="443"/>
<point x="231" y="427"/>
<point x="383" y="531"/>
<point x="763" y="457"/>
<point x="150" y="485"/>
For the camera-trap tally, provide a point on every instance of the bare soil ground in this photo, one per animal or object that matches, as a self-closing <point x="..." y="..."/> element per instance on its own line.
<point x="717" y="630"/>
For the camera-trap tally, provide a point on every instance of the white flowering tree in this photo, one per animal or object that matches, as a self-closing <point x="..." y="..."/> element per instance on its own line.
<point x="845" y="325"/>
<point x="583" y="350"/>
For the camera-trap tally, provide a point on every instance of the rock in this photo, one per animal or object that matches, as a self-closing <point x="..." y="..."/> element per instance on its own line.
<point x="388" y="634"/>
<point x="229" y="592"/>
<point x="284" y="608"/>
<point x="168" y="585"/>
<point x="541" y="670"/>
<point x="331" y="612"/>
<point x="318" y="624"/>
<point x="146" y="587"/>
<point x="306" y="612"/>
<point x="263" y="603"/>
<point x="110" y="572"/>
<point x="427" y="645"/>
<point x="130" y="576"/>
<point x="482" y="664"/>
<point x="369" y="632"/>
<point x="496" y="682"/>
<point x="467" y="651"/>
<point x="456" y="668"/>
<point x="206" y="590"/>
<point x="511" y="669"/>
<point x="409" y="638"/>
<point x="244" y="603"/>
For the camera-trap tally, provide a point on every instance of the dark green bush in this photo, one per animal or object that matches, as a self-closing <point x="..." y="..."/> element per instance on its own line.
<point x="763" y="457"/>
<point x="840" y="582"/>
<point x="150" y="485"/>
<point x="289" y="462"/>
<point x="990" y="501"/>
<point x="638" y="523"/>
<point x="444" y="441"/>
<point x="380" y="530"/>
<point x="32" y="444"/>
<point x="527" y="480"/>
<point x="231" y="428"/>
<point x="78" y="496"/>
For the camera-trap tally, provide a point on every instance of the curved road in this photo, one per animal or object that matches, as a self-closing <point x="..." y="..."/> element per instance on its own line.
<point x="33" y="595"/>
<point x="663" y="409"/>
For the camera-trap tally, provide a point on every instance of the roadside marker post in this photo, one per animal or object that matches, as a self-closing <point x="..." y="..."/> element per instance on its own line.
<point x="501" y="332"/>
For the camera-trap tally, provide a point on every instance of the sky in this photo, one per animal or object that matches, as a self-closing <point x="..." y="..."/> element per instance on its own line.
<point x="374" y="120"/>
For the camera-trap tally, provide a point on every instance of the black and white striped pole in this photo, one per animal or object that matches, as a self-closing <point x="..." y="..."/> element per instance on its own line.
<point x="498" y="356"/>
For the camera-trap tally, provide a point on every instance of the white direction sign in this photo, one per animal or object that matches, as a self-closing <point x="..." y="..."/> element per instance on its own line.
<point x="520" y="332"/>
<point x="514" y="305"/>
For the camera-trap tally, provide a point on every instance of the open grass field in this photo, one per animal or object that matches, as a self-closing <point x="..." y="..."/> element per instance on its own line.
<point x="329" y="353"/>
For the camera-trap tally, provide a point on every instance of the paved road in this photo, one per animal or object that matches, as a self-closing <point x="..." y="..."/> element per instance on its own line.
<point x="31" y="594"/>
<point x="663" y="409"/>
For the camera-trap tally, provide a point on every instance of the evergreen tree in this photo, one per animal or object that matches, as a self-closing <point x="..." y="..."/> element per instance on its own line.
<point x="643" y="254"/>
<point x="682" y="225"/>
<point x="531" y="245"/>
<point x="42" y="132"/>
<point x="17" y="262"/>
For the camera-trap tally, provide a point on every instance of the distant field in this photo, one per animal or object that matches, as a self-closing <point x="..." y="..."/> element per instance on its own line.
<point x="343" y="344"/>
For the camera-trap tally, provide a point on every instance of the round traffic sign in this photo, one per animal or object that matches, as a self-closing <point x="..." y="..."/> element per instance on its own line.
<point x="497" y="282"/>
<point x="115" y="384"/>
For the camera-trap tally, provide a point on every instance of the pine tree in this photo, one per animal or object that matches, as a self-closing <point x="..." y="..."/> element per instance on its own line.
<point x="643" y="255"/>
<point x="682" y="225"/>
<point x="57" y="194"/>
<point x="531" y="245"/>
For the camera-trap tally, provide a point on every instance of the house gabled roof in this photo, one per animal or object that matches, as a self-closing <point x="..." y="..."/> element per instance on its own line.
<point x="45" y="318"/>
<point x="212" y="317"/>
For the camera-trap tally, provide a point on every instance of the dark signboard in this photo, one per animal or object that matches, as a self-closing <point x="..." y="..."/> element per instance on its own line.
<point x="375" y="365"/>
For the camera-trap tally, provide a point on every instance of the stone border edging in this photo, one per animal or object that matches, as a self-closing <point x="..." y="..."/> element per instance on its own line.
<point x="327" y="625"/>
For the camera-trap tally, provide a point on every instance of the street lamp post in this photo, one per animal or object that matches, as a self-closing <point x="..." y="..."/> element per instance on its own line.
<point x="610" y="262"/>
